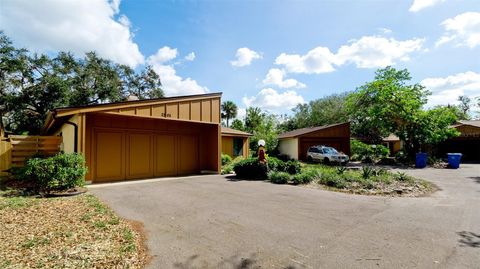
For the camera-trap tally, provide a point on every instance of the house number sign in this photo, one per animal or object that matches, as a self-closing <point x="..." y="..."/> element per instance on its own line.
<point x="166" y="115"/>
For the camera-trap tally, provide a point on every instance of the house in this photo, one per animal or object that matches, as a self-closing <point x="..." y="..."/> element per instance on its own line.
<point x="393" y="143"/>
<point x="235" y="143"/>
<point x="467" y="143"/>
<point x="296" y="143"/>
<point x="143" y="138"/>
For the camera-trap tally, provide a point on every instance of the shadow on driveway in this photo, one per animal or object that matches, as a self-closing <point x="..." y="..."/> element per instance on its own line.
<point x="476" y="179"/>
<point x="469" y="239"/>
<point x="233" y="262"/>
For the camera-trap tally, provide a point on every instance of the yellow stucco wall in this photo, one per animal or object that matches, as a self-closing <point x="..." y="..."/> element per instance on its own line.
<point x="289" y="146"/>
<point x="67" y="132"/>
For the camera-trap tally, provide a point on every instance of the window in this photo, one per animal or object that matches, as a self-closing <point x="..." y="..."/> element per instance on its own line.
<point x="237" y="146"/>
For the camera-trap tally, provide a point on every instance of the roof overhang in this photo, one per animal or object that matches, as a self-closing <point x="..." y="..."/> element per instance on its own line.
<point x="300" y="132"/>
<point x="202" y="108"/>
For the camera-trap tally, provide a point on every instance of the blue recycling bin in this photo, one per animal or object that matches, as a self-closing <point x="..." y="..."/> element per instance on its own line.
<point x="421" y="160"/>
<point x="454" y="160"/>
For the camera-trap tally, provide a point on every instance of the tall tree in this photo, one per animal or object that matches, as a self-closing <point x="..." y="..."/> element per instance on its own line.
<point x="389" y="105"/>
<point x="229" y="111"/>
<point x="464" y="106"/>
<point x="31" y="84"/>
<point x="263" y="126"/>
<point x="327" y="110"/>
<point x="237" y="125"/>
<point x="253" y="118"/>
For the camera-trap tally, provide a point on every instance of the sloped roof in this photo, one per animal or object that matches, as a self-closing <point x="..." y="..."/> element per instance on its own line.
<point x="63" y="111"/>
<point x="474" y="123"/>
<point x="391" y="138"/>
<point x="55" y="116"/>
<point x="232" y="132"/>
<point x="300" y="132"/>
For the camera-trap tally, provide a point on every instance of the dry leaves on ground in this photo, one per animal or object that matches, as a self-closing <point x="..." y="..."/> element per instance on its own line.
<point x="67" y="232"/>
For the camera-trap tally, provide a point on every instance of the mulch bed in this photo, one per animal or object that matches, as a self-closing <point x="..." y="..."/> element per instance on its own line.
<point x="419" y="188"/>
<point x="67" y="232"/>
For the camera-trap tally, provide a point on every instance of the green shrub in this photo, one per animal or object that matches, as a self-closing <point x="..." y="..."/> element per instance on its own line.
<point x="401" y="176"/>
<point x="306" y="176"/>
<point x="250" y="168"/>
<point x="367" y="172"/>
<point x="367" y="183"/>
<point x="341" y="170"/>
<point x="275" y="164"/>
<point x="227" y="169"/>
<point x="284" y="157"/>
<point x="279" y="177"/>
<point x="401" y="157"/>
<point x="333" y="180"/>
<point x="387" y="161"/>
<point x="226" y="159"/>
<point x="292" y="167"/>
<point x="58" y="173"/>
<point x="367" y="153"/>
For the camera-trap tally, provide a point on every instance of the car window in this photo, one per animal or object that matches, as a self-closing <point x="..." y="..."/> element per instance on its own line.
<point x="329" y="150"/>
<point x="314" y="150"/>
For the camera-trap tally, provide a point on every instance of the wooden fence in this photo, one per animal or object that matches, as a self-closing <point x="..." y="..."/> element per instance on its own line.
<point x="15" y="149"/>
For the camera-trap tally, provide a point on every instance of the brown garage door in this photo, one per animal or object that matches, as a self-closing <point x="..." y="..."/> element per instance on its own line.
<point x="123" y="154"/>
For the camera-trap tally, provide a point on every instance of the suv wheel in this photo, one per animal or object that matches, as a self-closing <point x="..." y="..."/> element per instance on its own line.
<point x="310" y="159"/>
<point x="326" y="160"/>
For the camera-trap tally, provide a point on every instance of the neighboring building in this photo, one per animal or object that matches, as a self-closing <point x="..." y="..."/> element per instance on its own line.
<point x="234" y="142"/>
<point x="143" y="138"/>
<point x="296" y="143"/>
<point x="468" y="143"/>
<point x="393" y="143"/>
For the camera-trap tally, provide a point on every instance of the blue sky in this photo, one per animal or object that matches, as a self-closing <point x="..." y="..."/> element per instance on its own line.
<point x="310" y="48"/>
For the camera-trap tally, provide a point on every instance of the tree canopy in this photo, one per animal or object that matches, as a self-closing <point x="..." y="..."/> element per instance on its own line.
<point x="229" y="111"/>
<point x="327" y="110"/>
<point x="389" y="104"/>
<point x="32" y="84"/>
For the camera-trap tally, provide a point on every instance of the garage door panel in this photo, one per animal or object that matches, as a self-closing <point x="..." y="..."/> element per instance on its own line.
<point x="165" y="161"/>
<point x="188" y="154"/>
<point x="109" y="155"/>
<point x="139" y="155"/>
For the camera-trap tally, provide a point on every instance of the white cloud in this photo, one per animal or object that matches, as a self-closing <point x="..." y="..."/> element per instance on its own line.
<point x="384" y="31"/>
<point x="374" y="51"/>
<point x="163" y="55"/>
<point x="244" y="57"/>
<point x="446" y="90"/>
<point x="463" y="29"/>
<point x="317" y="60"/>
<point x="190" y="56"/>
<point x="241" y="113"/>
<point x="172" y="83"/>
<point x="418" y="5"/>
<point x="274" y="101"/>
<point x="76" y="26"/>
<point x="276" y="76"/>
<point x="366" y="52"/>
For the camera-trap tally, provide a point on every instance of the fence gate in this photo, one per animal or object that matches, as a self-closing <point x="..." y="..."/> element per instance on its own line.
<point x="15" y="149"/>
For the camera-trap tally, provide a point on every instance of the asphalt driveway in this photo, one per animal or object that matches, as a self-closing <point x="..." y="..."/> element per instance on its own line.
<point x="213" y="222"/>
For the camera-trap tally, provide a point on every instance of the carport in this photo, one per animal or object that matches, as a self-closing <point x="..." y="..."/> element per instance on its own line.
<point x="467" y="143"/>
<point x="144" y="138"/>
<point x="296" y="143"/>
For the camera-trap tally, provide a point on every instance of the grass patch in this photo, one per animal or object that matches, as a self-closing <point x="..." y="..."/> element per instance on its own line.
<point x="34" y="242"/>
<point x="15" y="202"/>
<point x="67" y="232"/>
